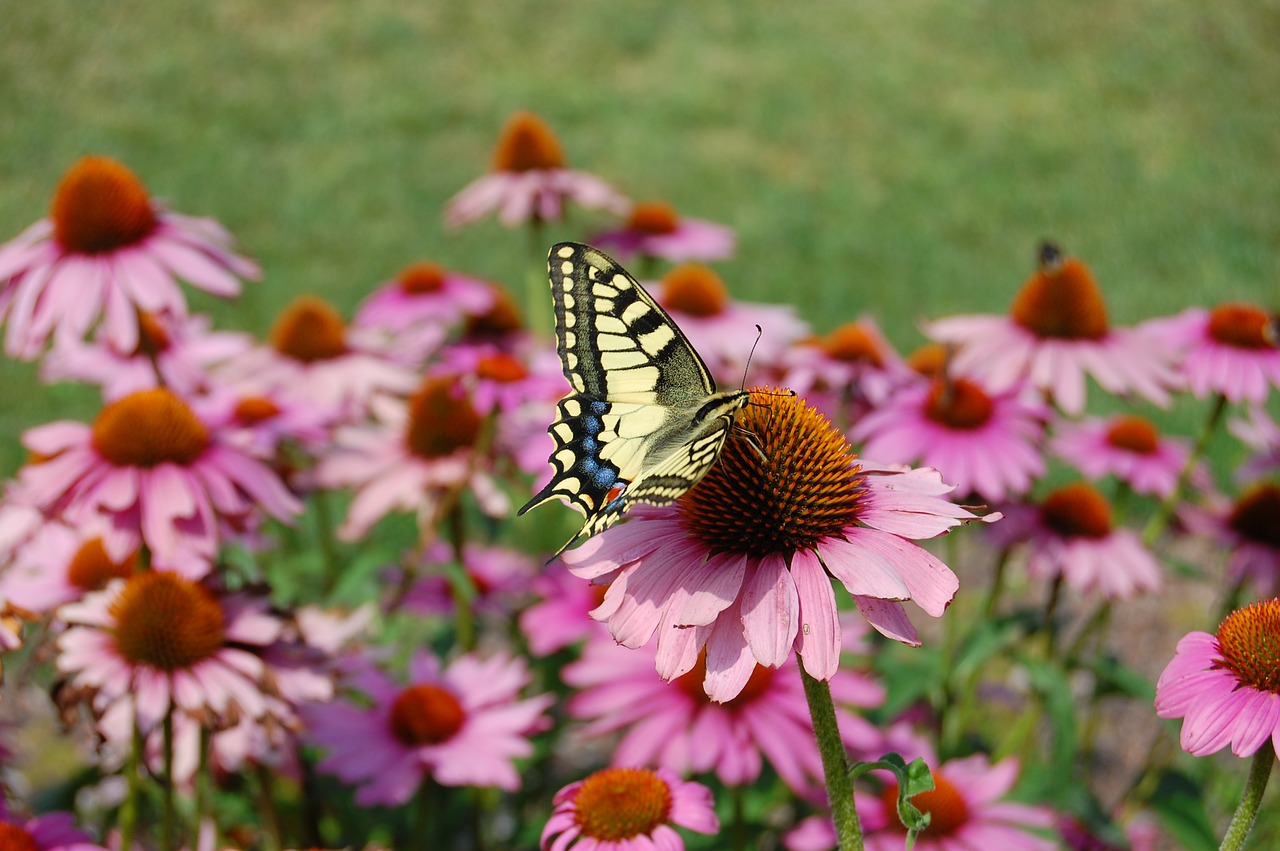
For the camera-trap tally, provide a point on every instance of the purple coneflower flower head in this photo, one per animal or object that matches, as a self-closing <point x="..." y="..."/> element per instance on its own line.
<point x="106" y="252"/>
<point x="421" y="450"/>
<point x="847" y="372"/>
<point x="1249" y="527"/>
<point x="1232" y="350"/>
<point x="984" y="443"/>
<point x="1070" y="534"/>
<point x="562" y="614"/>
<point x="155" y="472"/>
<point x="1128" y="447"/>
<point x="502" y="579"/>
<point x="742" y="565"/>
<point x="157" y="638"/>
<point x="628" y="809"/>
<point x="1261" y="434"/>
<point x="424" y="294"/>
<point x="653" y="229"/>
<point x="61" y="564"/>
<point x="505" y="381"/>
<point x="1056" y="334"/>
<point x="676" y="726"/>
<point x="1226" y="687"/>
<point x="529" y="181"/>
<point x="719" y="328"/>
<point x="461" y="725"/>
<point x="54" y="831"/>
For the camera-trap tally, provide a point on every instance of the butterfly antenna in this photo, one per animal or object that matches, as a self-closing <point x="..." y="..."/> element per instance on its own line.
<point x="750" y="354"/>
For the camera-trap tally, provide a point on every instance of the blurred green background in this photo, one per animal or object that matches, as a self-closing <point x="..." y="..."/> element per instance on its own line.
<point x="900" y="159"/>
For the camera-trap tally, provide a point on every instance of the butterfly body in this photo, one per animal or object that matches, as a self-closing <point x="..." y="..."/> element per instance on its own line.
<point x="643" y="422"/>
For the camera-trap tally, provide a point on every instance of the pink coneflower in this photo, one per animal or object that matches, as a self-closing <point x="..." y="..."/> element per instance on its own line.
<point x="563" y="614"/>
<point x="174" y="352"/>
<point x="742" y="566"/>
<point x="503" y="381"/>
<point x="529" y="181"/>
<point x="983" y="442"/>
<point x="1231" y="350"/>
<point x="424" y="294"/>
<point x="1056" y="334"/>
<point x="628" y="809"/>
<point x="462" y="726"/>
<point x="158" y="638"/>
<point x="45" y="832"/>
<point x="60" y="564"/>
<point x="153" y="470"/>
<point x="653" y="229"/>
<point x="965" y="808"/>
<point x="1226" y="687"/>
<point x="1249" y="528"/>
<point x="422" y="450"/>
<point x="722" y="330"/>
<point x="264" y="421"/>
<point x="1261" y="434"/>
<point x="846" y="372"/>
<point x="1070" y="535"/>
<point x="1128" y="447"/>
<point x="108" y="251"/>
<point x="315" y="356"/>
<point x="675" y="726"/>
<point x="502" y="579"/>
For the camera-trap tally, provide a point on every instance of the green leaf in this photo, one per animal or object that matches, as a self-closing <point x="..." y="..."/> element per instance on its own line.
<point x="1179" y="802"/>
<point x="912" y="779"/>
<point x="1054" y="688"/>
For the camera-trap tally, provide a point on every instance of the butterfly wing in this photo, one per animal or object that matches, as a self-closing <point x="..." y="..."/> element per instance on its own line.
<point x="643" y="422"/>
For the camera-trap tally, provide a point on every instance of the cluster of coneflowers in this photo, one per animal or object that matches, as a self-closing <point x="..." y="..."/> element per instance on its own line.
<point x="276" y="595"/>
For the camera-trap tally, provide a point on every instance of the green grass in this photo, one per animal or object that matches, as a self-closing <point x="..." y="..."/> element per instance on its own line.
<point x="899" y="159"/>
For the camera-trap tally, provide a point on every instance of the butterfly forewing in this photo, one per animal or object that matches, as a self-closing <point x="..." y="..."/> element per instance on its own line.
<point x="644" y="421"/>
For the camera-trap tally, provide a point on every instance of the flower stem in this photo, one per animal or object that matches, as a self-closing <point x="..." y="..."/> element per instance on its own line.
<point x="168" y="820"/>
<point x="129" y="809"/>
<point x="1161" y="518"/>
<point x="537" y="308"/>
<point x="1254" y="787"/>
<point x="274" y="838"/>
<point x="326" y="539"/>
<point x="204" y="788"/>
<point x="835" y="763"/>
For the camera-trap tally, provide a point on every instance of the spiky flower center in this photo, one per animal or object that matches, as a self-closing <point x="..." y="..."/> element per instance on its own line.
<point x="787" y="481"/>
<point x="16" y="838"/>
<point x="1249" y="641"/>
<point x="153" y="339"/>
<point x="421" y="278"/>
<point x="1245" y="326"/>
<point x="945" y="805"/>
<point x="252" y="410"/>
<point x="527" y="144"/>
<point x="1256" y="515"/>
<point x="309" y="330"/>
<point x="426" y="714"/>
<point x="1061" y="300"/>
<point x="441" y="419"/>
<point x="653" y="217"/>
<point x="851" y="343"/>
<point x="166" y="622"/>
<point x="502" y="368"/>
<point x="958" y="403"/>
<point x="148" y="428"/>
<point x="1134" y="434"/>
<point x="502" y="318"/>
<point x="1077" y="511"/>
<point x="91" y="568"/>
<point x="691" y="683"/>
<point x="99" y="206"/>
<point x="618" y="804"/>
<point x="695" y="290"/>
<point x="930" y="360"/>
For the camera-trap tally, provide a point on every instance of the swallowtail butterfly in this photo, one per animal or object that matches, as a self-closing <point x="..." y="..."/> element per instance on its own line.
<point x="643" y="422"/>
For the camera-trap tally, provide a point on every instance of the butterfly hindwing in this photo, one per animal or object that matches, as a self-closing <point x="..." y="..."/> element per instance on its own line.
<point x="644" y="421"/>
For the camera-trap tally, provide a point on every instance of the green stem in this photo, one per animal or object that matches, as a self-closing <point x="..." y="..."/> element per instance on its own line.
<point x="129" y="809"/>
<point x="168" y="820"/>
<point x="327" y="540"/>
<point x="997" y="583"/>
<point x="204" y="788"/>
<point x="461" y="585"/>
<point x="537" y="306"/>
<point x="1254" y="787"/>
<point x="1050" y="612"/>
<point x="274" y="839"/>
<point x="1161" y="518"/>
<point x="738" y="830"/>
<point x="835" y="762"/>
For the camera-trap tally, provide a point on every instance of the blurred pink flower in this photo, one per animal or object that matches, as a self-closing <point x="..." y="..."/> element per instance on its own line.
<point x="742" y="565"/>
<point x="628" y="809"/>
<point x="502" y="579"/>
<point x="529" y="182"/>
<point x="60" y="564"/>
<point x="653" y="229"/>
<point x="503" y="381"/>
<point x="1261" y="434"/>
<point x="157" y="637"/>
<point x="54" y="831"/>
<point x="982" y="442"/>
<point x="424" y="294"/>
<point x="675" y="726"/>
<point x="155" y="472"/>
<point x="462" y="726"/>
<point x="1231" y="350"/>
<point x="847" y="372"/>
<point x="966" y="811"/>
<point x="420" y="451"/>
<point x="1056" y="334"/>
<point x="1126" y="446"/>
<point x="1226" y="687"/>
<point x="1070" y="534"/>
<point x="562" y="615"/>
<point x="1249" y="528"/>
<point x="107" y="251"/>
